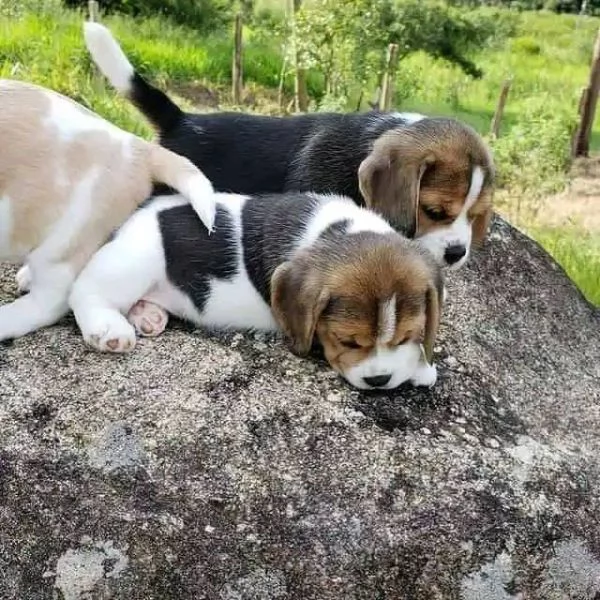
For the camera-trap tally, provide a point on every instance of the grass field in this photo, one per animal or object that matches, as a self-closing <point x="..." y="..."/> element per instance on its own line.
<point x="548" y="60"/>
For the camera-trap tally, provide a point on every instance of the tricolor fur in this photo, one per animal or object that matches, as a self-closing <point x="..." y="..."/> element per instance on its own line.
<point x="317" y="267"/>
<point x="68" y="178"/>
<point x="430" y="177"/>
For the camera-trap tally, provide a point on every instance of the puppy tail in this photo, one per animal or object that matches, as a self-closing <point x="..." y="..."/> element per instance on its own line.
<point x="108" y="56"/>
<point x="181" y="174"/>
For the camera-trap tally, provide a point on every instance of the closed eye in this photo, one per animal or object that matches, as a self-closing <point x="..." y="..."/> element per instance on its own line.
<point x="435" y="214"/>
<point x="405" y="339"/>
<point x="350" y="344"/>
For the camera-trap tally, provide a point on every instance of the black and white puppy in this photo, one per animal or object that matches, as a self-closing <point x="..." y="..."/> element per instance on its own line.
<point x="430" y="177"/>
<point x="317" y="267"/>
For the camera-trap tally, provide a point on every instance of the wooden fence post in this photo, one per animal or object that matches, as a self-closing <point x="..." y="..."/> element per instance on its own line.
<point x="497" y="119"/>
<point x="587" y="105"/>
<point x="300" y="90"/>
<point x="236" y="71"/>
<point x="93" y="10"/>
<point x="387" y="85"/>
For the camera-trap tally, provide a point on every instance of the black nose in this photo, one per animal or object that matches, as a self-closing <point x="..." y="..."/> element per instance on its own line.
<point x="377" y="380"/>
<point x="454" y="253"/>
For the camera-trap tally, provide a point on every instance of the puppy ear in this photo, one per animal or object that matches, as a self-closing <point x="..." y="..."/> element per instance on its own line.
<point x="391" y="185"/>
<point x="434" y="299"/>
<point x="297" y="301"/>
<point x="481" y="225"/>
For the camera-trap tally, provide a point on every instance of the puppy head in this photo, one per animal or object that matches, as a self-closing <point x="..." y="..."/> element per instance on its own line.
<point x="432" y="179"/>
<point x="372" y="307"/>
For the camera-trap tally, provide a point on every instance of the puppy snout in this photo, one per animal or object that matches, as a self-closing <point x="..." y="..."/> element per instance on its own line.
<point x="454" y="253"/>
<point x="377" y="380"/>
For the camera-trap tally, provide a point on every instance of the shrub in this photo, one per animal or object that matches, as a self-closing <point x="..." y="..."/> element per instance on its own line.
<point x="526" y="45"/>
<point x="534" y="156"/>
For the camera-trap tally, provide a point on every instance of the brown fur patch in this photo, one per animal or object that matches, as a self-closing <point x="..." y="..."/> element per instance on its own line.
<point x="426" y="164"/>
<point x="338" y="296"/>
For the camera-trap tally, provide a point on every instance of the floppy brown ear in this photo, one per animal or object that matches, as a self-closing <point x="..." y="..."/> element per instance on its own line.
<point x="433" y="316"/>
<point x="390" y="185"/>
<point x="481" y="225"/>
<point x="297" y="301"/>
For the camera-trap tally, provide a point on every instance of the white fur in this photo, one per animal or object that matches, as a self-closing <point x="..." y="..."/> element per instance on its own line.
<point x="460" y="232"/>
<point x="132" y="267"/>
<point x="45" y="303"/>
<point x="5" y="226"/>
<point x="387" y="323"/>
<point x="338" y="208"/>
<point x="404" y="363"/>
<point x="70" y="119"/>
<point x="109" y="57"/>
<point x="410" y="117"/>
<point x="24" y="278"/>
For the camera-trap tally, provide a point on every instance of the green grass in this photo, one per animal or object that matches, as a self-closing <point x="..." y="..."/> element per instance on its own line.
<point x="548" y="60"/>
<point x="578" y="253"/>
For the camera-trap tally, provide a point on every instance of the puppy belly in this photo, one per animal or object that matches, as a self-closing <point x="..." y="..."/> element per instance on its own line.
<point x="228" y="305"/>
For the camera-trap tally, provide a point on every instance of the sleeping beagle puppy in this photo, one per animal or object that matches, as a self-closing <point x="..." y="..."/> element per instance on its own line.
<point x="68" y="178"/>
<point x="430" y="177"/>
<point x="317" y="267"/>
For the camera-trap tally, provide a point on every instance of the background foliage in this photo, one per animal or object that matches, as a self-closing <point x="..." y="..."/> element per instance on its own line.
<point x="454" y="59"/>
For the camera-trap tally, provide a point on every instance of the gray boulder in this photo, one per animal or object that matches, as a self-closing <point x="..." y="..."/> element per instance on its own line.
<point x="219" y="466"/>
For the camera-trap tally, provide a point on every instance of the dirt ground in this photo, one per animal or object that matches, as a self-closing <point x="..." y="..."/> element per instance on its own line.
<point x="579" y="204"/>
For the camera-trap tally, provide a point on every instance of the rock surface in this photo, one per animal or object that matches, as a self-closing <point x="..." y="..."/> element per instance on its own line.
<point x="222" y="467"/>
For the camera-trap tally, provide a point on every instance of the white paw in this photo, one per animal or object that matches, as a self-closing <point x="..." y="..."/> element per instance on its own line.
<point x="109" y="331"/>
<point x="425" y="375"/>
<point x="23" y="279"/>
<point x="148" y="318"/>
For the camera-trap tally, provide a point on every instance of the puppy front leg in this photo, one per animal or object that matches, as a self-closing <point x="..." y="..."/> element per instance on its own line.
<point x="44" y="305"/>
<point x="116" y="277"/>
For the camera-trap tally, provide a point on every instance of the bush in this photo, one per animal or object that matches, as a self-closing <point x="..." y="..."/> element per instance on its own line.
<point x="533" y="158"/>
<point x="526" y="45"/>
<point x="346" y="39"/>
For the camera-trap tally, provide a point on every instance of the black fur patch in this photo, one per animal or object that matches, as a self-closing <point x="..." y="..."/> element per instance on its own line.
<point x="272" y="225"/>
<point x="254" y="154"/>
<point x="193" y="256"/>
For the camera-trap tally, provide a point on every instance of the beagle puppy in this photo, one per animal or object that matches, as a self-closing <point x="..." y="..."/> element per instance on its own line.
<point x="68" y="178"/>
<point x="431" y="178"/>
<point x="317" y="267"/>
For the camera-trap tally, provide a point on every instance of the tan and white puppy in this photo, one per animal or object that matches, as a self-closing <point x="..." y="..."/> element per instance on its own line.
<point x="68" y="179"/>
<point x="317" y="267"/>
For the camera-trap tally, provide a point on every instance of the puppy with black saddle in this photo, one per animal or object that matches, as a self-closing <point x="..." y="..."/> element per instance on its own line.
<point x="386" y="161"/>
<point x="318" y="267"/>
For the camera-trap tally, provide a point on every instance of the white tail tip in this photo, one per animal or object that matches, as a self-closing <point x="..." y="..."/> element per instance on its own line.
<point x="108" y="56"/>
<point x="200" y="192"/>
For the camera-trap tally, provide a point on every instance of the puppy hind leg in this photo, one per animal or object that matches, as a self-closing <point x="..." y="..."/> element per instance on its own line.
<point x="23" y="279"/>
<point x="44" y="305"/>
<point x="148" y="318"/>
<point x="116" y="277"/>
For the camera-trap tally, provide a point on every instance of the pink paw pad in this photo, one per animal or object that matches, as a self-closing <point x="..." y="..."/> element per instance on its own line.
<point x="148" y="318"/>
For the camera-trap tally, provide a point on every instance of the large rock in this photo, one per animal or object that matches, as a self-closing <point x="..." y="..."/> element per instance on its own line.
<point x="222" y="467"/>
